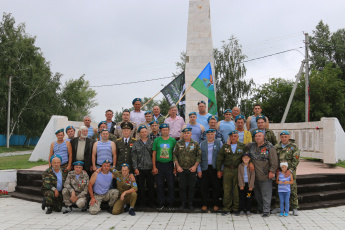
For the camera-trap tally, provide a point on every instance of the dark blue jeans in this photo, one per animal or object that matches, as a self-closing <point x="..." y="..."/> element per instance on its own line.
<point x="284" y="197"/>
<point x="165" y="172"/>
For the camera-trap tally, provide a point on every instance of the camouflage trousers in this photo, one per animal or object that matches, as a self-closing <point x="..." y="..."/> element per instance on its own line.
<point x="231" y="198"/>
<point x="111" y="196"/>
<point x="293" y="194"/>
<point x="54" y="202"/>
<point x="66" y="194"/>
<point x="130" y="199"/>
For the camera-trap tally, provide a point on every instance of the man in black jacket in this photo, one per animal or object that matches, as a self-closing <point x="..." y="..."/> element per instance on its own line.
<point x="110" y="123"/>
<point x="82" y="149"/>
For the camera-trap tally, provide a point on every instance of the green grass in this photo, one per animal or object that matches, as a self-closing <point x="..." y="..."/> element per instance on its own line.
<point x="19" y="162"/>
<point x="15" y="148"/>
<point x="340" y="163"/>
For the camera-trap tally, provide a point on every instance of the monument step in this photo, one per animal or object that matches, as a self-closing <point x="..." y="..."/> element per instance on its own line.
<point x="28" y="197"/>
<point x="305" y="188"/>
<point x="25" y="177"/>
<point x="322" y="204"/>
<point x="321" y="195"/>
<point x="30" y="190"/>
<point x="37" y="183"/>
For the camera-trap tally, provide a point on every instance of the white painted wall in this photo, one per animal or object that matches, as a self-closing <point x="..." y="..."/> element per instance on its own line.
<point x="8" y="180"/>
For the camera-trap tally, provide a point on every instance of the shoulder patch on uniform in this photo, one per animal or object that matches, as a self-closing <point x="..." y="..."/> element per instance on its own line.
<point x="134" y="139"/>
<point x="119" y="139"/>
<point x="135" y="184"/>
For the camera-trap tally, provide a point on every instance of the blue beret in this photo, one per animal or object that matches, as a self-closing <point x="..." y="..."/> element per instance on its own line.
<point x="186" y="130"/>
<point x="104" y="130"/>
<point x="147" y="112"/>
<point x="212" y="117"/>
<point x="164" y="125"/>
<point x="102" y="122"/>
<point x="125" y="165"/>
<point x="135" y="100"/>
<point x="246" y="154"/>
<point x="126" y="110"/>
<point x="240" y="117"/>
<point x="261" y="117"/>
<point x="55" y="155"/>
<point x="285" y="133"/>
<point x="233" y="132"/>
<point x="70" y="127"/>
<point x="59" y="131"/>
<point x="106" y="161"/>
<point x="152" y="122"/>
<point x="257" y="131"/>
<point x="210" y="131"/>
<point x="201" y="102"/>
<point x="78" y="163"/>
<point x="192" y="113"/>
<point x="141" y="127"/>
<point x="227" y="111"/>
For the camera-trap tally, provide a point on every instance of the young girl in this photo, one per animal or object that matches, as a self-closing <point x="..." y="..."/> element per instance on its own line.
<point x="284" y="188"/>
<point x="246" y="183"/>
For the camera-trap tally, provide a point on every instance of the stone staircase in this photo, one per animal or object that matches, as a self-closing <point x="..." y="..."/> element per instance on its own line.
<point x="314" y="191"/>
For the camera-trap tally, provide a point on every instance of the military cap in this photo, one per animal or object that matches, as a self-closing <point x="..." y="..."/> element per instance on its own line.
<point x="135" y="100"/>
<point x="285" y="133"/>
<point x="246" y="154"/>
<point x="55" y="155"/>
<point x="186" y="129"/>
<point x="125" y="165"/>
<point x="127" y="125"/>
<point x="141" y="127"/>
<point x="233" y="132"/>
<point x="201" y="102"/>
<point x="126" y="110"/>
<point x="192" y="113"/>
<point x="152" y="122"/>
<point x="148" y="112"/>
<point x="227" y="111"/>
<point x="257" y="131"/>
<point x="212" y="117"/>
<point x="164" y="125"/>
<point x="240" y="117"/>
<point x="103" y="130"/>
<point x="210" y="131"/>
<point x="106" y="161"/>
<point x="70" y="127"/>
<point x="59" y="131"/>
<point x="261" y="117"/>
<point x="102" y="122"/>
<point x="78" y="163"/>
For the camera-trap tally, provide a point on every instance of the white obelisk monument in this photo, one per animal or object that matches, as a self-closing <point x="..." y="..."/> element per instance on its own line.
<point x="199" y="49"/>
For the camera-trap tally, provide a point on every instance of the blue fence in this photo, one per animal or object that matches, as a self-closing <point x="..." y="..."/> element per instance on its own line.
<point x="17" y="140"/>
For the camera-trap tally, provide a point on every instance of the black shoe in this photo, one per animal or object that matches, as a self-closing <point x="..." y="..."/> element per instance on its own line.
<point x="160" y="207"/>
<point x="225" y="213"/>
<point x="126" y="208"/>
<point x="49" y="210"/>
<point x="68" y="209"/>
<point x="258" y="212"/>
<point x="110" y="210"/>
<point x="190" y="206"/>
<point x="131" y="212"/>
<point x="84" y="209"/>
<point x="44" y="203"/>
<point x="151" y="205"/>
<point x="182" y="207"/>
<point x="265" y="214"/>
<point x="236" y="213"/>
<point x="171" y="207"/>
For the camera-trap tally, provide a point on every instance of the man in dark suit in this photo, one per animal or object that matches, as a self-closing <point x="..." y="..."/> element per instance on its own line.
<point x="82" y="149"/>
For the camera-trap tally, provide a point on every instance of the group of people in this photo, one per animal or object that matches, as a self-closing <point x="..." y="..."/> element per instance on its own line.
<point x="146" y="149"/>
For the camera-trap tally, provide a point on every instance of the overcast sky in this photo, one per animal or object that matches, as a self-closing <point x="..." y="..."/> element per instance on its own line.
<point x="132" y="40"/>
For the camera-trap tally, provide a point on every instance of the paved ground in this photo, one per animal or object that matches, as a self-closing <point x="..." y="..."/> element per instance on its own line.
<point x="20" y="214"/>
<point x="16" y="153"/>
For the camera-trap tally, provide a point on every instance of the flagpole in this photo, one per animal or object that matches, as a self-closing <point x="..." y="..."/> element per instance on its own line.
<point x="150" y="100"/>
<point x="179" y="100"/>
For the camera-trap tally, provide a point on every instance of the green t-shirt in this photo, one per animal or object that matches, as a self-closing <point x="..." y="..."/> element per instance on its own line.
<point x="164" y="149"/>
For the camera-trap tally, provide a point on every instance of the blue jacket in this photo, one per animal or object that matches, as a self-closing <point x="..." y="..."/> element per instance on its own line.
<point x="204" y="154"/>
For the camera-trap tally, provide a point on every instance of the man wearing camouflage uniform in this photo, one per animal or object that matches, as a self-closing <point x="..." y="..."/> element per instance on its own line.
<point x="187" y="156"/>
<point x="230" y="155"/>
<point x="289" y="152"/>
<point x="53" y="179"/>
<point x="125" y="118"/>
<point x="75" y="188"/>
<point x="268" y="133"/>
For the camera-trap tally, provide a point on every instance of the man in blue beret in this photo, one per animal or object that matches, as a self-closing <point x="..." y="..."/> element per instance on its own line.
<point x="101" y="126"/>
<point x="126" y="118"/>
<point x="261" y="121"/>
<point x="148" y="118"/>
<point x="207" y="169"/>
<point x="265" y="160"/>
<point x="102" y="150"/>
<point x="212" y="124"/>
<point x="70" y="131"/>
<point x="227" y="125"/>
<point x="154" y="126"/>
<point x="251" y="121"/>
<point x="197" y="129"/>
<point x="202" y="116"/>
<point x="75" y="188"/>
<point x="53" y="180"/>
<point x="137" y="115"/>
<point x="62" y="148"/>
<point x="244" y="136"/>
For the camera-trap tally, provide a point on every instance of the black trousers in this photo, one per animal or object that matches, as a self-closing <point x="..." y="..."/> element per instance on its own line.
<point x="245" y="198"/>
<point x="145" y="177"/>
<point x="209" y="177"/>
<point x="165" y="172"/>
<point x="187" y="180"/>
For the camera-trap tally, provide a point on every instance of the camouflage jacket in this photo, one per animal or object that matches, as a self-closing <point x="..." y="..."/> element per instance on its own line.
<point x="79" y="186"/>
<point x="160" y="119"/>
<point x="50" y="180"/>
<point x="124" y="183"/>
<point x="96" y="137"/>
<point x="269" y="135"/>
<point x="187" y="156"/>
<point x="228" y="158"/>
<point x="289" y="153"/>
<point x="118" y="130"/>
<point x="142" y="154"/>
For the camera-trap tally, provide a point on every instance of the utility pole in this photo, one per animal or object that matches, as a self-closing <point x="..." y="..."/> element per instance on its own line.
<point x="306" y="77"/>
<point x="9" y="111"/>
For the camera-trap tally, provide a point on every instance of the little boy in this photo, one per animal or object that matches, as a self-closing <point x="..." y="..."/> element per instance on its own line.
<point x="246" y="180"/>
